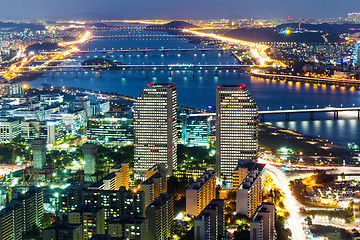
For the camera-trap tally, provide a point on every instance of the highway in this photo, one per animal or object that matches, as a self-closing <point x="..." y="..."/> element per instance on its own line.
<point x="292" y="206"/>
<point x="258" y="51"/>
<point x="70" y="48"/>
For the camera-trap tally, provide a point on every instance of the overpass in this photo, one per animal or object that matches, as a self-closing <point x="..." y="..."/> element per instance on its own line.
<point x="295" y="111"/>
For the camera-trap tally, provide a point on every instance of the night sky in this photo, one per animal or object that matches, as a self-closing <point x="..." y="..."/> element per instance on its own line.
<point x="176" y="9"/>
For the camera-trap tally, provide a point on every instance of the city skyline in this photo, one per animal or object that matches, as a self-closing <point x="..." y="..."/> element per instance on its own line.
<point x="142" y="9"/>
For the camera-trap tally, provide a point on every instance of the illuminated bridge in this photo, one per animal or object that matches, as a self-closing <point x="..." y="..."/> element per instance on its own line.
<point x="183" y="67"/>
<point x="294" y="111"/>
<point x="328" y="81"/>
<point x="162" y="50"/>
<point x="143" y="36"/>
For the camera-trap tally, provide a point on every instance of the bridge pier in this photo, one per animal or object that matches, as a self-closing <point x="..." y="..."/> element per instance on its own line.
<point x="76" y="75"/>
<point x="262" y="117"/>
<point x="216" y="72"/>
<point x="358" y="115"/>
<point x="287" y="117"/>
<point x="53" y="75"/>
<point x="123" y="74"/>
<point x="170" y="73"/>
<point x="336" y="115"/>
<point x="312" y="116"/>
<point x="147" y="73"/>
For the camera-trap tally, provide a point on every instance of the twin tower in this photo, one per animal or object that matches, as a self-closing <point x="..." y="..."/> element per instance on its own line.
<point x="155" y="129"/>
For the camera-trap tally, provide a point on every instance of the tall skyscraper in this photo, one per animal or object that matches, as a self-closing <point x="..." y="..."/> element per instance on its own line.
<point x="236" y="130"/>
<point x="155" y="129"/>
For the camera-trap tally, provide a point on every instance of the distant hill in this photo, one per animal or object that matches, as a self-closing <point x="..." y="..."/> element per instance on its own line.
<point x="174" y="25"/>
<point x="273" y="35"/>
<point x="11" y="26"/>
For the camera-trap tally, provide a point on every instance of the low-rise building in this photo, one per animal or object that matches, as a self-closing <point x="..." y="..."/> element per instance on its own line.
<point x="9" y="129"/>
<point x="110" y="131"/>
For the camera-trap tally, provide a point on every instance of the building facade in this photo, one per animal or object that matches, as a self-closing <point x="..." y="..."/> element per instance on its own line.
<point x="22" y="215"/>
<point x="200" y="194"/>
<point x="155" y="129"/>
<point x="262" y="225"/>
<point x="249" y="194"/>
<point x="236" y="130"/>
<point x="110" y="131"/>
<point x="209" y="224"/>
<point x="160" y="215"/>
<point x="9" y="129"/>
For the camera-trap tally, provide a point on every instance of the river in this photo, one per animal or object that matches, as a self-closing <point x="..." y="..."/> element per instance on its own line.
<point x="199" y="90"/>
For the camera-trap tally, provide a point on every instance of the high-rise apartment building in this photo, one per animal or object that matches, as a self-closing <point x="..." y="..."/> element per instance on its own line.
<point x="22" y="215"/>
<point x="236" y="130"/>
<point x="92" y="219"/>
<point x="160" y="215"/>
<point x="249" y="194"/>
<point x="200" y="193"/>
<point x="155" y="129"/>
<point x="209" y="224"/>
<point x="262" y="225"/>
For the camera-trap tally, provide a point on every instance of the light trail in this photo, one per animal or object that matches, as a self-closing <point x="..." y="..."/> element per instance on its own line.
<point x="290" y="202"/>
<point x="15" y="69"/>
<point x="257" y="50"/>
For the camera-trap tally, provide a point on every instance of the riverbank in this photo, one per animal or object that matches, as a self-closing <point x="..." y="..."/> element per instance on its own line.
<point x="305" y="149"/>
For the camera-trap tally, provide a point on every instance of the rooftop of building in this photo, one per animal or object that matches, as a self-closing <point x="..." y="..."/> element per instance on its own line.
<point x="250" y="165"/>
<point x="86" y="208"/>
<point x="63" y="225"/>
<point x="202" y="179"/>
<point x="159" y="201"/>
<point x="250" y="178"/>
<point x="167" y="85"/>
<point x="101" y="181"/>
<point x="128" y="219"/>
<point x="242" y="86"/>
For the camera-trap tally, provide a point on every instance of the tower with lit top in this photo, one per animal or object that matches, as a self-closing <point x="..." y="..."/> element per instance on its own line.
<point x="236" y="130"/>
<point x="155" y="129"/>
